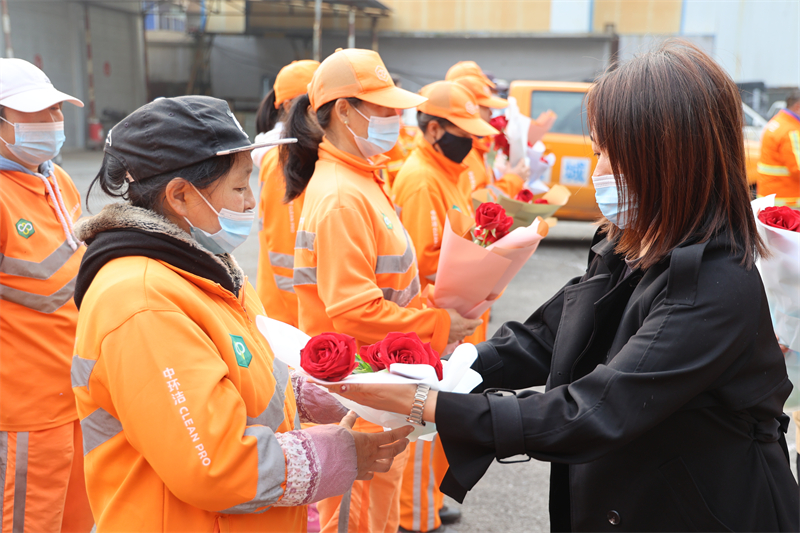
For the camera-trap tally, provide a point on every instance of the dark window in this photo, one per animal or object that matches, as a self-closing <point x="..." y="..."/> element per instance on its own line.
<point x="567" y="105"/>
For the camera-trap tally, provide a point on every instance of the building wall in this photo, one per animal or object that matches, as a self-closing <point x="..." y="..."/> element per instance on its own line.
<point x="482" y="16"/>
<point x="51" y="34"/>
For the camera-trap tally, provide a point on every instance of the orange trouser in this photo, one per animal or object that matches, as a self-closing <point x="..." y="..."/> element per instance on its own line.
<point x="42" y="477"/>
<point x="374" y="505"/>
<point x="421" y="498"/>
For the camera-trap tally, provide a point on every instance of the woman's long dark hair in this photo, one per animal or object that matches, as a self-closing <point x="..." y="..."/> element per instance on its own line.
<point x="671" y="123"/>
<point x="267" y="115"/>
<point x="299" y="159"/>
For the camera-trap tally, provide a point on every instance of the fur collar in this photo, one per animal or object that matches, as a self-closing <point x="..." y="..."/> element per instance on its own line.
<point x="120" y="215"/>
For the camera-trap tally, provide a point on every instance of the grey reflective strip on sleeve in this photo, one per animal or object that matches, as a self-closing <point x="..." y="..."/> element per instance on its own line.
<point x="98" y="428"/>
<point x="284" y="283"/>
<point x="38" y="302"/>
<point x="281" y="260"/>
<point x="416" y="519"/>
<point x="344" y="511"/>
<point x="396" y="264"/>
<point x="41" y="270"/>
<point x="81" y="370"/>
<point x="20" y="482"/>
<point x="305" y="240"/>
<point x="305" y="276"/>
<point x="271" y="471"/>
<point x="402" y="297"/>
<point x="3" y="466"/>
<point x="431" y="483"/>
<point x="273" y="414"/>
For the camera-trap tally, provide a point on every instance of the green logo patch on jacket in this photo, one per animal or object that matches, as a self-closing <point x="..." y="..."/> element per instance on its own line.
<point x="25" y="228"/>
<point x="243" y="355"/>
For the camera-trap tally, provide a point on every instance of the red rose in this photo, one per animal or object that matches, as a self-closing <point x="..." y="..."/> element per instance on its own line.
<point x="781" y="217"/>
<point x="525" y="195"/>
<point x="499" y="122"/>
<point x="491" y="222"/>
<point x="405" y="348"/>
<point x="329" y="356"/>
<point x="541" y="201"/>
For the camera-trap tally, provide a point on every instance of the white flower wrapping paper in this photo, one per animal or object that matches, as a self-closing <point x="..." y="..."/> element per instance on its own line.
<point x="781" y="276"/>
<point x="287" y="341"/>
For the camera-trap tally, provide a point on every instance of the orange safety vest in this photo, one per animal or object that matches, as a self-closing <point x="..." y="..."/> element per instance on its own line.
<point x="779" y="166"/>
<point x="37" y="313"/>
<point x="180" y="400"/>
<point x="277" y="231"/>
<point x="480" y="176"/>
<point x="355" y="269"/>
<point x="427" y="187"/>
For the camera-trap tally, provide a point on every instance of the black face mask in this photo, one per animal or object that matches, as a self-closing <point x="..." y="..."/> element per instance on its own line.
<point x="453" y="147"/>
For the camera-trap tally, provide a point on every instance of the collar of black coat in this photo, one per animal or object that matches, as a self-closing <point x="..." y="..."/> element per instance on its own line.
<point x="123" y="230"/>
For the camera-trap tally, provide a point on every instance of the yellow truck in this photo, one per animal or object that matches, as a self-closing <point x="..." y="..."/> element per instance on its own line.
<point x="568" y="139"/>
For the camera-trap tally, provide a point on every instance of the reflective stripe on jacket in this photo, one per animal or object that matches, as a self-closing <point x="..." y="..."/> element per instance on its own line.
<point x="37" y="313"/>
<point x="355" y="269"/>
<point x="277" y="231"/>
<point x="779" y="166"/>
<point x="180" y="402"/>
<point x="425" y="189"/>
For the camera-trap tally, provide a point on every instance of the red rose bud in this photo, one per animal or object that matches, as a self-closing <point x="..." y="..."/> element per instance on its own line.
<point x="525" y="195"/>
<point x="405" y="348"/>
<point x="329" y="356"/>
<point x="491" y="222"/>
<point x="781" y="217"/>
<point x="499" y="122"/>
<point x="541" y="201"/>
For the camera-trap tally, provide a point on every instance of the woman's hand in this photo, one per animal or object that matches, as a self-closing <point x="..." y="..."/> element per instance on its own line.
<point x="392" y="398"/>
<point x="460" y="327"/>
<point x="376" y="451"/>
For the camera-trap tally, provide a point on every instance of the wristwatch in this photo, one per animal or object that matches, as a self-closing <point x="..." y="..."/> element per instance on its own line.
<point x="420" y="397"/>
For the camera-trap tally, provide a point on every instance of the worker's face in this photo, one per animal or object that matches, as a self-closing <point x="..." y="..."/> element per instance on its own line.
<point x="232" y="192"/>
<point x="50" y="114"/>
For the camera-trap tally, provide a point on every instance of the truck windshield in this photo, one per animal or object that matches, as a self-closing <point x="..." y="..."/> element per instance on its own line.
<point x="567" y="105"/>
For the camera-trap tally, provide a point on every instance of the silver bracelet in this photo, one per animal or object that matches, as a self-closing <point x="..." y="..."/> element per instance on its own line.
<point x="417" y="408"/>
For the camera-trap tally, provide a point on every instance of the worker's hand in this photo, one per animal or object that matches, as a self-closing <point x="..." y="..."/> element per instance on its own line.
<point x="375" y="452"/>
<point x="521" y="169"/>
<point x="460" y="327"/>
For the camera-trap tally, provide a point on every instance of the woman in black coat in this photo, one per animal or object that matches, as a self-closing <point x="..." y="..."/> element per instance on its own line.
<point x="665" y="384"/>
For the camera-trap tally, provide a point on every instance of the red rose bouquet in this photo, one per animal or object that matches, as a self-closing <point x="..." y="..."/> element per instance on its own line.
<point x="491" y="224"/>
<point x="406" y="348"/>
<point x="781" y="217"/>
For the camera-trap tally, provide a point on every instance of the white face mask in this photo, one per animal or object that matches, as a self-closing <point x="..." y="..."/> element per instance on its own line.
<point x="235" y="229"/>
<point x="608" y="200"/>
<point x="382" y="134"/>
<point x="36" y="142"/>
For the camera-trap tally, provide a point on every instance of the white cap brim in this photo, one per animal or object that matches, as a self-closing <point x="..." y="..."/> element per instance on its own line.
<point x="257" y="145"/>
<point x="37" y="99"/>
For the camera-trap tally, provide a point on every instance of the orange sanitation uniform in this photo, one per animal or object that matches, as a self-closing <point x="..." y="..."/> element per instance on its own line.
<point x="41" y="458"/>
<point x="779" y="166"/>
<point x="399" y="153"/>
<point x="180" y="426"/>
<point x="277" y="231"/>
<point x="355" y="273"/>
<point x="479" y="176"/>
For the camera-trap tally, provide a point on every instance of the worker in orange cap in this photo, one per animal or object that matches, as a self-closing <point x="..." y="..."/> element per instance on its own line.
<point x="779" y="165"/>
<point x="468" y="68"/>
<point x="479" y="175"/>
<point x="429" y="185"/>
<point x="277" y="221"/>
<point x="355" y="271"/>
<point x="41" y="450"/>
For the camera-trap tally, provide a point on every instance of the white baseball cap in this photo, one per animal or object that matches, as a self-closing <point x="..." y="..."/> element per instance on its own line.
<point x="24" y="87"/>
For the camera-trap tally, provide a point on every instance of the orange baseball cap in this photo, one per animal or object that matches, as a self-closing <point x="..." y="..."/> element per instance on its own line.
<point x="467" y="68"/>
<point x="481" y="92"/>
<point x="355" y="73"/>
<point x="451" y="101"/>
<point x="293" y="80"/>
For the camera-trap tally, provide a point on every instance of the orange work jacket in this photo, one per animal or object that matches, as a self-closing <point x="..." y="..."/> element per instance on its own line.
<point x="399" y="153"/>
<point x="779" y="166"/>
<point x="427" y="187"/>
<point x="480" y="176"/>
<point x="180" y="402"/>
<point x="37" y="312"/>
<point x="355" y="270"/>
<point x="277" y="231"/>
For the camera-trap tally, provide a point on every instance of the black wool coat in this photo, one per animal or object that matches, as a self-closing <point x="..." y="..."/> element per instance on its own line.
<point x="663" y="408"/>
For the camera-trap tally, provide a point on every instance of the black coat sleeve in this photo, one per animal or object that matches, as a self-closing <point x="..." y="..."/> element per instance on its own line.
<point x="680" y="350"/>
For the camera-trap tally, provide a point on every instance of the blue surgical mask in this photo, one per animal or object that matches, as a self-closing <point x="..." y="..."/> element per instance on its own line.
<point x="382" y="134"/>
<point x="608" y="200"/>
<point x="235" y="229"/>
<point x="36" y="142"/>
